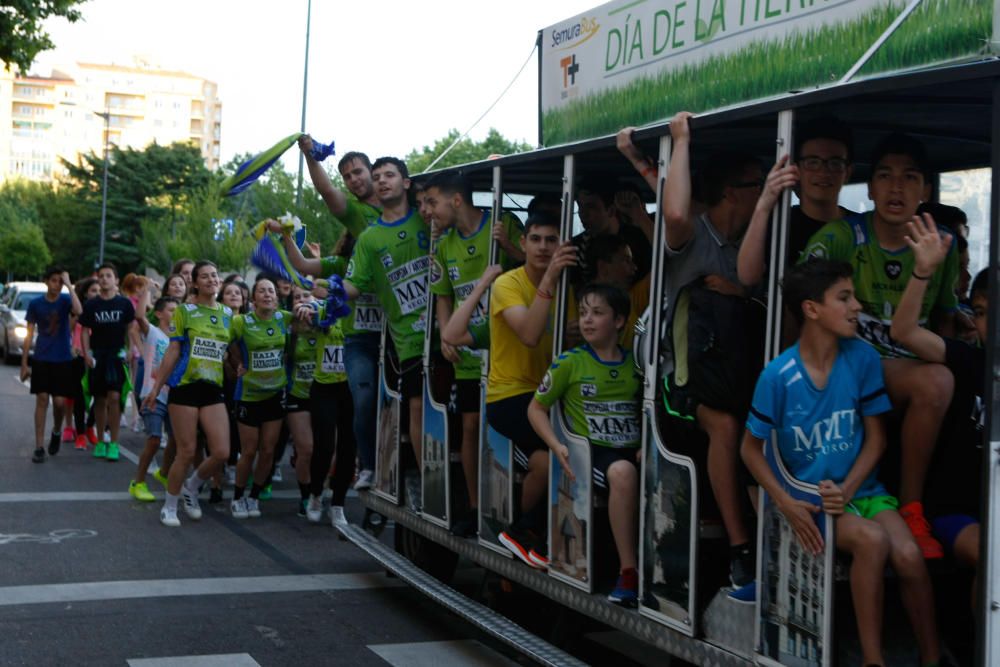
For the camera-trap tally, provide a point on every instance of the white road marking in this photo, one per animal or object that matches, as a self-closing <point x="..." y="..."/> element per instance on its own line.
<point x="459" y="653"/>
<point x="220" y="660"/>
<point x="153" y="588"/>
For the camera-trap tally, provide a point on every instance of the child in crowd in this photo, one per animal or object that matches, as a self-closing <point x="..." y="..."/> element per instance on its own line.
<point x="600" y="390"/>
<point x="823" y="397"/>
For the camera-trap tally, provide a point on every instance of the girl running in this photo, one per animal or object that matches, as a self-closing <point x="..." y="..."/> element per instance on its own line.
<point x="200" y="333"/>
<point x="303" y="345"/>
<point x="258" y="352"/>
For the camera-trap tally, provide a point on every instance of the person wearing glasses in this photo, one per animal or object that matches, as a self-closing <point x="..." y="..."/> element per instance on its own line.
<point x="821" y="168"/>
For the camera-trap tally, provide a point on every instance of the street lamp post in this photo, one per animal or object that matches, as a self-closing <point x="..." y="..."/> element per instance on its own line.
<point x="305" y="88"/>
<point x="106" y="115"/>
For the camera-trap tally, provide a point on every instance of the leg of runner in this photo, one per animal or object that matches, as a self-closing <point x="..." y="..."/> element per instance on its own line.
<point x="300" y="426"/>
<point x="216" y="428"/>
<point x="41" y="409"/>
<point x="114" y="416"/>
<point x="184" y="419"/>
<point x="266" y="443"/>
<point x="101" y="419"/>
<point x="249" y="437"/>
<point x="346" y="453"/>
<point x="323" y="398"/>
<point x="361" y="360"/>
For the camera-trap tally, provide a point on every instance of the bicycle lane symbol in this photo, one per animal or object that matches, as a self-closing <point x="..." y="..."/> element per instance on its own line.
<point x="53" y="537"/>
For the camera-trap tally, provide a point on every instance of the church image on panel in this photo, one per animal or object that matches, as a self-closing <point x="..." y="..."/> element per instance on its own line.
<point x="568" y="533"/>
<point x="496" y="486"/>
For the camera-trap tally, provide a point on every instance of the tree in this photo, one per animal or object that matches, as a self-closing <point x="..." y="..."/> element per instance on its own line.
<point x="21" y="34"/>
<point x="467" y="150"/>
<point x="23" y="251"/>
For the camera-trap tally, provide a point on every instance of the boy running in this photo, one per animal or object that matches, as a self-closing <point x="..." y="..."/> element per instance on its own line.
<point x="51" y="370"/>
<point x="823" y="398"/>
<point x="600" y="390"/>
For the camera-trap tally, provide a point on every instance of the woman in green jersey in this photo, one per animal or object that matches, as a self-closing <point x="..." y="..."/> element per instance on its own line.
<point x="303" y="344"/>
<point x="193" y="363"/>
<point x="258" y="353"/>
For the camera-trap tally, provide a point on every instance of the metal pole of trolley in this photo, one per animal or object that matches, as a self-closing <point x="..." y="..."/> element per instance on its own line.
<point x="106" y="115"/>
<point x="305" y="90"/>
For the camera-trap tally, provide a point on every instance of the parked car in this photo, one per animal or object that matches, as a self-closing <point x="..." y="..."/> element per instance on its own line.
<point x="13" y="307"/>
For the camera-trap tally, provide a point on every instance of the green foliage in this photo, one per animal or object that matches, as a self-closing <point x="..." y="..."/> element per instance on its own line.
<point x="466" y="151"/>
<point x="935" y="32"/>
<point x="21" y="34"/>
<point x="23" y="252"/>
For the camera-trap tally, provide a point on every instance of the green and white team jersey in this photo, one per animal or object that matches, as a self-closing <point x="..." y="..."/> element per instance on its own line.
<point x="329" y="353"/>
<point x="366" y="312"/>
<point x="599" y="398"/>
<point x="458" y="265"/>
<point x="391" y="260"/>
<point x="261" y="345"/>
<point x="880" y="277"/>
<point x="302" y="365"/>
<point x="204" y="334"/>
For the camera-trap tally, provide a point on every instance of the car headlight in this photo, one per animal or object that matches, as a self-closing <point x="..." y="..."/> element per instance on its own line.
<point x="21" y="332"/>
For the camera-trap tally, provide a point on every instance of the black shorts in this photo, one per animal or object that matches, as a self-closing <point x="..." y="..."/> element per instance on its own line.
<point x="196" y="395"/>
<point x="52" y="377"/>
<point x="296" y="404"/>
<point x="255" y="413"/>
<point x="466" y="396"/>
<point x="509" y="418"/>
<point x="601" y="459"/>
<point x="108" y="373"/>
<point x="412" y="381"/>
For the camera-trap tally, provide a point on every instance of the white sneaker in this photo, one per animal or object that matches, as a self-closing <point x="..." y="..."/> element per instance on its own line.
<point x="337" y="517"/>
<point x="253" y="507"/>
<point x="277" y="477"/>
<point x="238" y="508"/>
<point x="168" y="517"/>
<point x="191" y="505"/>
<point x="364" y="480"/>
<point x="314" y="510"/>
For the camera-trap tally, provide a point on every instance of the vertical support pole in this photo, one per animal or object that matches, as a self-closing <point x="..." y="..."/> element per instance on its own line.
<point x="305" y="90"/>
<point x="779" y="243"/>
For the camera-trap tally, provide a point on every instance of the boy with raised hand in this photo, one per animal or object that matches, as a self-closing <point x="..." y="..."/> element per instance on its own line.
<point x="875" y="245"/>
<point x="521" y="312"/>
<point x="822" y="398"/>
<point x="356" y="210"/>
<point x="954" y="486"/>
<point x="600" y="391"/>
<point x="108" y="324"/>
<point x="462" y="255"/>
<point x="821" y="169"/>
<point x="51" y="370"/>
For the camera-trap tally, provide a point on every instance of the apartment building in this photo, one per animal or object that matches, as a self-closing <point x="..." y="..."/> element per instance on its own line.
<point x="45" y="118"/>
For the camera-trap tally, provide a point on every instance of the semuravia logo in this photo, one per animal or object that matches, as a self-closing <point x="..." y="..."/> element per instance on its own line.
<point x="568" y="36"/>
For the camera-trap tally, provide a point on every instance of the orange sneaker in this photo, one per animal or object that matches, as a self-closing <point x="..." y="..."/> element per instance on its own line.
<point x="92" y="435"/>
<point x="913" y="515"/>
<point x="81" y="442"/>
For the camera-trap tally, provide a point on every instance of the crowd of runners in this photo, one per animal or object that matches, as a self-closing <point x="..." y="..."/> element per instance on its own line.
<point x="885" y="322"/>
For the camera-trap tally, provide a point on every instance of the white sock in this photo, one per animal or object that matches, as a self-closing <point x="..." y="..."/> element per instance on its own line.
<point x="171" y="501"/>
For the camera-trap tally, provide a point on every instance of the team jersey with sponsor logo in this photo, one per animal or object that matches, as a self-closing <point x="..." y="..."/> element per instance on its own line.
<point x="329" y="352"/>
<point x="391" y="260"/>
<point x="458" y="265"/>
<point x="261" y="344"/>
<point x="204" y="334"/>
<point x="820" y="431"/>
<point x="880" y="277"/>
<point x="302" y="365"/>
<point x="599" y="398"/>
<point x="366" y="312"/>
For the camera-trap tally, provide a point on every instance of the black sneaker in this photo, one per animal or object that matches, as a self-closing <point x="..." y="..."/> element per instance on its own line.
<point x="38" y="456"/>
<point x="215" y="497"/>
<point x="742" y="570"/>
<point x="303" y="504"/>
<point x="466" y="525"/>
<point x="54" y="443"/>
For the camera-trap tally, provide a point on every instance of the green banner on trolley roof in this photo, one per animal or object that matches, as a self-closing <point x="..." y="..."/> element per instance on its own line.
<point x="632" y="62"/>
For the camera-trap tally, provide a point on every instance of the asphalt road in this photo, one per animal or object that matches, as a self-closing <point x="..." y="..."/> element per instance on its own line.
<point x="88" y="576"/>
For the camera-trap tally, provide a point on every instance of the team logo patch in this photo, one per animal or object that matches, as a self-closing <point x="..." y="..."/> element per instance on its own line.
<point x="546" y="384"/>
<point x="893" y="268"/>
<point x="213" y="319"/>
<point x="588" y="390"/>
<point x="312" y="342"/>
<point x="471" y="250"/>
<point x="270" y="331"/>
<point x="613" y="373"/>
<point x="401" y="234"/>
<point x="386" y="261"/>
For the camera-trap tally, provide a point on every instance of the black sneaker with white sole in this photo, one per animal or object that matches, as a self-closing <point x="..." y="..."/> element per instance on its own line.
<point x="54" y="441"/>
<point x="38" y="456"/>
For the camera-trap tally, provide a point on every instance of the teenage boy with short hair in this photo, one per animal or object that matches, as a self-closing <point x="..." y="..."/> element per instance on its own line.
<point x="521" y="311"/>
<point x="823" y="398"/>
<point x="108" y="324"/>
<point x="597" y="207"/>
<point x="51" y="370"/>
<point x="461" y="257"/>
<point x="875" y="245"/>
<point x="598" y="385"/>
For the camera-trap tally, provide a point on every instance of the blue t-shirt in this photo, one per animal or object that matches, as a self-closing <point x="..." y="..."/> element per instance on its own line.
<point x="820" y="431"/>
<point x="51" y="320"/>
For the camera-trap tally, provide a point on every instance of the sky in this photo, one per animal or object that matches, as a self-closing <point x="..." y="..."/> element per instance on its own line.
<point x="384" y="77"/>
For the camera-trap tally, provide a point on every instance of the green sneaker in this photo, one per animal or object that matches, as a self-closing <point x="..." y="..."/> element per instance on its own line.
<point x="100" y="450"/>
<point x="265" y="493"/>
<point x="140" y="491"/>
<point x="160" y="477"/>
<point x="112" y="451"/>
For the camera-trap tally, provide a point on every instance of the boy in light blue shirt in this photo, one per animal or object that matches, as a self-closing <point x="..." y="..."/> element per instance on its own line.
<point x="823" y="398"/>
